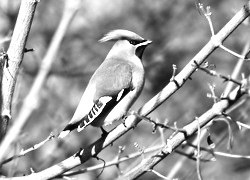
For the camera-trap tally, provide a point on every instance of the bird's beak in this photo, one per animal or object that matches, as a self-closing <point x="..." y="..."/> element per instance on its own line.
<point x="149" y="41"/>
<point x="145" y="43"/>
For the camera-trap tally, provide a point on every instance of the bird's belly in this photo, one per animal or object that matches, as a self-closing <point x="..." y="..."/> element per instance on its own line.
<point x="108" y="118"/>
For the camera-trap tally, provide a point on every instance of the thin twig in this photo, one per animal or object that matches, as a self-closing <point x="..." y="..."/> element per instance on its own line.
<point x="230" y="155"/>
<point x="216" y="74"/>
<point x="230" y="132"/>
<point x="113" y="162"/>
<point x="189" y="151"/>
<point x="158" y="174"/>
<point x="243" y="125"/>
<point x="241" y="57"/>
<point x="207" y="13"/>
<point x="191" y="156"/>
<point x="24" y="152"/>
<point x="156" y="125"/>
<point x="213" y="96"/>
<point x="118" y="157"/>
<point x="218" y="153"/>
<point x="140" y="150"/>
<point x="237" y="69"/>
<point x="198" y="170"/>
<point x="174" y="72"/>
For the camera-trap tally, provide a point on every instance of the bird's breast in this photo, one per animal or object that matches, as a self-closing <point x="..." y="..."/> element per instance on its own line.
<point x="138" y="77"/>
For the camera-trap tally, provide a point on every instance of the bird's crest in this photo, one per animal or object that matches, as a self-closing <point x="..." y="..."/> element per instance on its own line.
<point x="120" y="34"/>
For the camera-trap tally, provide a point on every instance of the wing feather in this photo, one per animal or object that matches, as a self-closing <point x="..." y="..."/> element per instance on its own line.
<point x="112" y="76"/>
<point x="94" y="112"/>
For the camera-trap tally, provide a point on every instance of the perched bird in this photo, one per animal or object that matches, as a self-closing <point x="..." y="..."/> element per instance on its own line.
<point x="114" y="86"/>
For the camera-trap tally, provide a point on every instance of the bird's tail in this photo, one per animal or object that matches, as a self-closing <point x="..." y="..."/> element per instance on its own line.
<point x="80" y="124"/>
<point x="63" y="134"/>
<point x="67" y="130"/>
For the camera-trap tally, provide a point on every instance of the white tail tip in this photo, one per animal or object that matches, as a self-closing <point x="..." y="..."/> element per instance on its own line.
<point x="80" y="128"/>
<point x="63" y="134"/>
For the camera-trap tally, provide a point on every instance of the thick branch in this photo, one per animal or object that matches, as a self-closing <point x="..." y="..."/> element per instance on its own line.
<point x="15" y="57"/>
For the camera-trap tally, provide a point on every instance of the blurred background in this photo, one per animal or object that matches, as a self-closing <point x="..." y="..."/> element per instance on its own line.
<point x="178" y="32"/>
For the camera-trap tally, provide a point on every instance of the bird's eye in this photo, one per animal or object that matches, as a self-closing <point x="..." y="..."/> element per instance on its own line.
<point x="133" y="42"/>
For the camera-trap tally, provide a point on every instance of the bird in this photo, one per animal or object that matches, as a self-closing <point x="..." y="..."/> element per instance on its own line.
<point x="114" y="86"/>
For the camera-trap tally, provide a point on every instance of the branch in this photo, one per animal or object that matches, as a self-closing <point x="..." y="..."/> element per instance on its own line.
<point x="230" y="155"/>
<point x="214" y="73"/>
<point x="158" y="174"/>
<point x="198" y="155"/>
<point x="178" y="165"/>
<point x="24" y="152"/>
<point x="181" y="162"/>
<point x="32" y="100"/>
<point x="207" y="13"/>
<point x="3" y="123"/>
<point x="217" y="109"/>
<point x="221" y="154"/>
<point x="113" y="162"/>
<point x="237" y="69"/>
<point x="15" y="56"/>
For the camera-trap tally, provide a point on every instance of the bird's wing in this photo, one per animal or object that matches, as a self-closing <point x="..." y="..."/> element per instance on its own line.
<point x="113" y="82"/>
<point x="113" y="76"/>
<point x="109" y="84"/>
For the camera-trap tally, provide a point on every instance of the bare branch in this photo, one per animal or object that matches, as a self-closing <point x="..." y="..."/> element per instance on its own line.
<point x="198" y="155"/>
<point x="15" y="55"/>
<point x="230" y="132"/>
<point x="207" y="13"/>
<point x="230" y="155"/>
<point x="212" y="95"/>
<point x="240" y="124"/>
<point x="214" y="73"/>
<point x="115" y="161"/>
<point x="190" y="156"/>
<point x="236" y="70"/>
<point x="24" y="152"/>
<point x="158" y="174"/>
<point x="174" y="72"/>
<point x="179" y="164"/>
<point x="222" y="154"/>
<point x="240" y="57"/>
<point x="217" y="109"/>
<point x="156" y="124"/>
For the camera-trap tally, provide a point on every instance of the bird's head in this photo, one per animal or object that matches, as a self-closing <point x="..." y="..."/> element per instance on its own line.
<point x="127" y="42"/>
